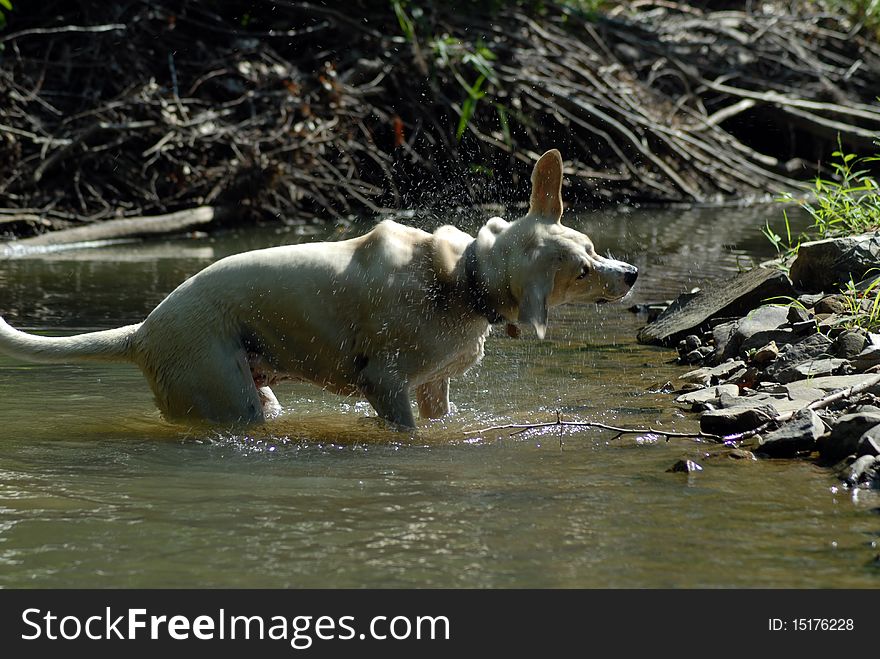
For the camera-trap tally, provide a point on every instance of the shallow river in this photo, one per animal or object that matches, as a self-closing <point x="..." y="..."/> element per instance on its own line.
<point x="97" y="490"/>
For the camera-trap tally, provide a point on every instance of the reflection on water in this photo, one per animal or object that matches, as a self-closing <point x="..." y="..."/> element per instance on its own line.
<point x="97" y="490"/>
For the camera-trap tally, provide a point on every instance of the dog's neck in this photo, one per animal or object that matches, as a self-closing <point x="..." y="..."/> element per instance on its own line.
<point x="478" y="291"/>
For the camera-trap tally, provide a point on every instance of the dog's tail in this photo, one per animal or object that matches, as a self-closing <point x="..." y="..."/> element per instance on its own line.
<point x="107" y="345"/>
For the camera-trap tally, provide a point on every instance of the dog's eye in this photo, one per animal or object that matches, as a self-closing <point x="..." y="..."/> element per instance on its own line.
<point x="584" y="272"/>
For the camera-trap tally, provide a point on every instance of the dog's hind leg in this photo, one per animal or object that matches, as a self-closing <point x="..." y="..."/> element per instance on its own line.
<point x="433" y="399"/>
<point x="214" y="385"/>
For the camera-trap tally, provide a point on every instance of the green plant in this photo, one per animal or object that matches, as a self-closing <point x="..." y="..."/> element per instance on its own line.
<point x="863" y="303"/>
<point x="6" y="7"/>
<point x="846" y="203"/>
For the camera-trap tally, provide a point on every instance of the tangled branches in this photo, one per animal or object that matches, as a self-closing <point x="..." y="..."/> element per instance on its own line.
<point x="291" y="110"/>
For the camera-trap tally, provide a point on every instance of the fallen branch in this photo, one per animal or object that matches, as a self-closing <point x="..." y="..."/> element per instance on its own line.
<point x="525" y="427"/>
<point x="130" y="227"/>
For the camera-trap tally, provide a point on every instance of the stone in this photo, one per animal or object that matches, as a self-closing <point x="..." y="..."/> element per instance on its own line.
<point x="811" y="369"/>
<point x="809" y="300"/>
<point x="735" y="419"/>
<point x="693" y="357"/>
<point x="849" y="344"/>
<point x="797" y="314"/>
<point x="863" y="469"/>
<point x="708" y="395"/>
<point x="765" y="354"/>
<point x="867" y="358"/>
<point x="757" y="328"/>
<point x="721" y="335"/>
<point x="692" y="342"/>
<point x="782" y="336"/>
<point x="825" y="265"/>
<point x="811" y="346"/>
<point x="706" y="375"/>
<point x="731" y="296"/>
<point x="869" y="442"/>
<point x="830" y="304"/>
<point x="797" y="435"/>
<point x="741" y="454"/>
<point x="843" y="439"/>
<point x="685" y="466"/>
<point x="832" y="383"/>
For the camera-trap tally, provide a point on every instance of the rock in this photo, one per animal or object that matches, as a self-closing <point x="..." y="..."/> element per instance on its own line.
<point x="721" y="335"/>
<point x="809" y="300"/>
<point x="862" y="470"/>
<point x="782" y="336"/>
<point x="741" y="454"/>
<point x="707" y="395"/>
<point x="869" y="442"/>
<point x="810" y="369"/>
<point x="692" y="342"/>
<point x="765" y="354"/>
<point x="832" y="383"/>
<point x="758" y="328"/>
<point x="867" y="358"/>
<point x="812" y="346"/>
<point x="686" y="466"/>
<point x="726" y="297"/>
<point x="693" y="357"/>
<point x="711" y="375"/>
<point x="735" y="376"/>
<point x="831" y="304"/>
<point x="849" y="344"/>
<point x="825" y="265"/>
<point x="797" y="314"/>
<point x="794" y="436"/>
<point x="735" y="419"/>
<point x="843" y="439"/>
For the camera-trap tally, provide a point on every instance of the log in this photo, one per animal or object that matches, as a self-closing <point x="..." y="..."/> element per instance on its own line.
<point x="129" y="227"/>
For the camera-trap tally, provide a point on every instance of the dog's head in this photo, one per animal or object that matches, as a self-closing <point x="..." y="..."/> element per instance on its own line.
<point x="546" y="264"/>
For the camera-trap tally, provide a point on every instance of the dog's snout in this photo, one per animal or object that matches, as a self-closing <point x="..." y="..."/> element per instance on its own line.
<point x="631" y="276"/>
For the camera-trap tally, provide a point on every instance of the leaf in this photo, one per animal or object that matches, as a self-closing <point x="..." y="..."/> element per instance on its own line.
<point x="7" y="4"/>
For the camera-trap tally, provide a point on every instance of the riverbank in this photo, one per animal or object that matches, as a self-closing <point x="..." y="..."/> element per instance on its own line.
<point x="788" y="366"/>
<point x="291" y="111"/>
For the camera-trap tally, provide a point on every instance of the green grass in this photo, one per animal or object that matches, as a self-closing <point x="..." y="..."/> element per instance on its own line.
<point x="848" y="203"/>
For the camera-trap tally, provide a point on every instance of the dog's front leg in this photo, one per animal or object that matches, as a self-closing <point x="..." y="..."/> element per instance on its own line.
<point x="433" y="399"/>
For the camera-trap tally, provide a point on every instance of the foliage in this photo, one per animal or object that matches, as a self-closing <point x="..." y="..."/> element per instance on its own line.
<point x="846" y="203"/>
<point x="863" y="303"/>
<point x="5" y="6"/>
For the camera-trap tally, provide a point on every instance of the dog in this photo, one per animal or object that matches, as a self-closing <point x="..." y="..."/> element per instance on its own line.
<point x="394" y="311"/>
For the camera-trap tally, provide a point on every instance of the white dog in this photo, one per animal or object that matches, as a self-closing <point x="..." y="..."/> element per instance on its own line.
<point x="395" y="310"/>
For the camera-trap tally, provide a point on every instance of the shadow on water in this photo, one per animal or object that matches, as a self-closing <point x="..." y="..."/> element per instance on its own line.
<point x="97" y="490"/>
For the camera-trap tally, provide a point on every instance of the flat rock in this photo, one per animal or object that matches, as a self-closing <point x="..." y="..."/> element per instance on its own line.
<point x="831" y="383"/>
<point x="707" y="395"/>
<point x="843" y="439"/>
<point x="811" y="369"/>
<point x="733" y="296"/>
<point x="867" y="358"/>
<point x="741" y="454"/>
<point x="795" y="436"/>
<point x="825" y="265"/>
<point x="869" y="442"/>
<point x="735" y="419"/>
<point x="812" y="346"/>
<point x="706" y="375"/>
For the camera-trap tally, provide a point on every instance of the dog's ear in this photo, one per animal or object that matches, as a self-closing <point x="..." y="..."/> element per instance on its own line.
<point x="546" y="200"/>
<point x="533" y="304"/>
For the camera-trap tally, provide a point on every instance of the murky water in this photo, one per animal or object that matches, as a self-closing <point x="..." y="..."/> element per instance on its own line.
<point x="96" y="490"/>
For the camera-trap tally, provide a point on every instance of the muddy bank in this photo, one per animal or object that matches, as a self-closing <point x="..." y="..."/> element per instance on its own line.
<point x="787" y="366"/>
<point x="291" y="111"/>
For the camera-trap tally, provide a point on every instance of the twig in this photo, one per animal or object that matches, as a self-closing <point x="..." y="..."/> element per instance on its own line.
<point x="525" y="427"/>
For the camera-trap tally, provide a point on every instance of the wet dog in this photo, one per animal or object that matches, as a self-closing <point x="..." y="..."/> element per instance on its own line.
<point x="395" y="311"/>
